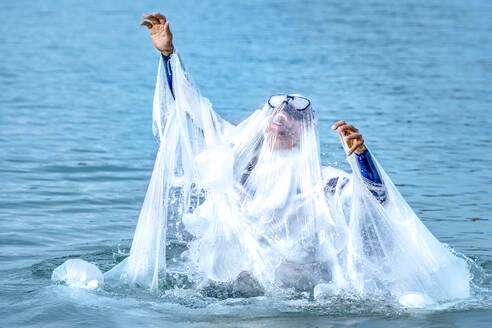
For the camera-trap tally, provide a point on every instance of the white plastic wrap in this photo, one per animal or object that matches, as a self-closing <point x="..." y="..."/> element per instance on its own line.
<point x="268" y="211"/>
<point x="78" y="273"/>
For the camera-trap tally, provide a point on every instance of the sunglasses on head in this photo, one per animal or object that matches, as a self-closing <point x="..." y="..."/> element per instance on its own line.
<point x="294" y="105"/>
<point x="299" y="103"/>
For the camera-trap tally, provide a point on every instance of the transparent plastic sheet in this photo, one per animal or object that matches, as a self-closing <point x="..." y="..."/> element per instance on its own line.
<point x="269" y="209"/>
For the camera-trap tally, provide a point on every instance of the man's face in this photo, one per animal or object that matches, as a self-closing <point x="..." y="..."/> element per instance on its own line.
<point x="284" y="130"/>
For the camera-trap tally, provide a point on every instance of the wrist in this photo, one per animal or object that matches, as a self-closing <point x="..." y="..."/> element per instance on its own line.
<point x="362" y="149"/>
<point x="168" y="51"/>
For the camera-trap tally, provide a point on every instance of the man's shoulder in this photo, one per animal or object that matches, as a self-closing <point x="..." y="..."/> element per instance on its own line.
<point x="329" y="172"/>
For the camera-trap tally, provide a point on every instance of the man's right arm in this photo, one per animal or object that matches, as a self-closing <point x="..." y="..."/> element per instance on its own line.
<point x="197" y="108"/>
<point x="162" y="38"/>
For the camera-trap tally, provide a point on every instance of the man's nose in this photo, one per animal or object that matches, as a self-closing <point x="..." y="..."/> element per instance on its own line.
<point x="279" y="118"/>
<point x="283" y="115"/>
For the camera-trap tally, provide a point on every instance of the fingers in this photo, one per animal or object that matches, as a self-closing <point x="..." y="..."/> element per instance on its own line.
<point x="145" y="23"/>
<point x="354" y="141"/>
<point x="155" y="19"/>
<point x="347" y="128"/>
<point x="337" y="125"/>
<point x="353" y="136"/>
<point x="152" y="18"/>
<point x="355" y="146"/>
<point x="160" y="17"/>
<point x="341" y="126"/>
<point x="350" y="135"/>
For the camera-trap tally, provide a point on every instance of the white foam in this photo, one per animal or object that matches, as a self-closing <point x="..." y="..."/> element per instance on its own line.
<point x="325" y="290"/>
<point x="415" y="300"/>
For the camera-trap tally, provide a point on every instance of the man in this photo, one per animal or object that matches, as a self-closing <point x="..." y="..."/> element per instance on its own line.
<point x="263" y="211"/>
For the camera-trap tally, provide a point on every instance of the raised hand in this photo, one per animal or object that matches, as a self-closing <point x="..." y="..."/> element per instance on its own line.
<point x="349" y="134"/>
<point x="159" y="32"/>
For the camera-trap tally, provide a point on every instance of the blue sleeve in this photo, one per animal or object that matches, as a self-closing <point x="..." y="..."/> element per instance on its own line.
<point x="367" y="167"/>
<point x="369" y="172"/>
<point x="169" y="72"/>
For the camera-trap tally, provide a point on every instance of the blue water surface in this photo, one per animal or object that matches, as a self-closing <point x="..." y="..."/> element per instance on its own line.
<point x="76" y="145"/>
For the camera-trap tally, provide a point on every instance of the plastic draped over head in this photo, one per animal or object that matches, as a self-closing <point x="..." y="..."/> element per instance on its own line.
<point x="253" y="197"/>
<point x="278" y="178"/>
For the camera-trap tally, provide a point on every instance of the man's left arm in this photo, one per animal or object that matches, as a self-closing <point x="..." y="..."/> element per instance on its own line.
<point x="349" y="134"/>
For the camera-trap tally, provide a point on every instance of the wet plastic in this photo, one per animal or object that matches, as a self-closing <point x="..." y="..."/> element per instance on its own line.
<point x="78" y="273"/>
